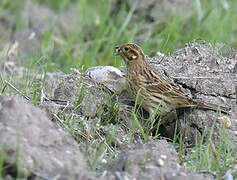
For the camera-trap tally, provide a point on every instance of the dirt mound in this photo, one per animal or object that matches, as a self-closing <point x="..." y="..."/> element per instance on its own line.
<point x="33" y="146"/>
<point x="152" y="160"/>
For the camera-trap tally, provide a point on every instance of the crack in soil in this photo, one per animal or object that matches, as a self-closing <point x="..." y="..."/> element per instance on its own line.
<point x="194" y="91"/>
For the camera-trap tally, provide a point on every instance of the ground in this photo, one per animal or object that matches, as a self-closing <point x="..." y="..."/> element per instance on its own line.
<point x="64" y="110"/>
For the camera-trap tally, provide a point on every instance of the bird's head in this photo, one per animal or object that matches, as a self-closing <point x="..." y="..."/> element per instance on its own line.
<point x="130" y="52"/>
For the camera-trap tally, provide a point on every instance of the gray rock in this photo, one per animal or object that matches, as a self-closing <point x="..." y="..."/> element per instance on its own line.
<point x="109" y="76"/>
<point x="35" y="145"/>
<point x="84" y="92"/>
<point x="153" y="160"/>
<point x="51" y="81"/>
<point x="92" y="100"/>
<point x="68" y="88"/>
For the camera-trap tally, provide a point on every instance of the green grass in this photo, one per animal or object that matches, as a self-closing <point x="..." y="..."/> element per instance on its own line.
<point x="96" y="31"/>
<point x="215" y="158"/>
<point x="1" y="166"/>
<point x="91" y="42"/>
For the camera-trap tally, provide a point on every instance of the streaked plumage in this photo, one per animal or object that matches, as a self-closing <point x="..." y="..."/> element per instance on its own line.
<point x="150" y="90"/>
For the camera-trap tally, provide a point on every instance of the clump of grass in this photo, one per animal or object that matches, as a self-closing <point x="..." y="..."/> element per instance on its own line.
<point x="214" y="157"/>
<point x="97" y="31"/>
<point x="1" y="166"/>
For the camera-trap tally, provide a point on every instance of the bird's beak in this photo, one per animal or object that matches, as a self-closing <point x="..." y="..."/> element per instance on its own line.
<point x="117" y="50"/>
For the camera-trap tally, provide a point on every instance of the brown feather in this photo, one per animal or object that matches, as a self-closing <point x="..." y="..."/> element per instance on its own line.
<point x="152" y="91"/>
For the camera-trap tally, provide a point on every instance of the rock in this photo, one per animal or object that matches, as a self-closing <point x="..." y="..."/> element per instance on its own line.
<point x="90" y="90"/>
<point x="84" y="92"/>
<point x="121" y="139"/>
<point x="109" y="76"/>
<point x="34" y="145"/>
<point x="51" y="82"/>
<point x="93" y="99"/>
<point x="153" y="160"/>
<point x="68" y="88"/>
<point x="51" y="108"/>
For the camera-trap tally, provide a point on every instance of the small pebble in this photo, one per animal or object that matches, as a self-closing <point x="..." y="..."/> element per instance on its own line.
<point x="160" y="162"/>
<point x="225" y="121"/>
<point x="164" y="157"/>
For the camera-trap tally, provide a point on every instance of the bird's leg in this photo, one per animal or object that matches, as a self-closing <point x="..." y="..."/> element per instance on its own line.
<point x="166" y="126"/>
<point x="168" y="123"/>
<point x="170" y="117"/>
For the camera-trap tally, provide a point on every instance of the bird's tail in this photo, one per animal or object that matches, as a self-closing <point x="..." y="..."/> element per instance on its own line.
<point x="213" y="107"/>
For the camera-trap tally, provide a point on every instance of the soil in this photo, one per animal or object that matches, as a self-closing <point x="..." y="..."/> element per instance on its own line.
<point x="36" y="141"/>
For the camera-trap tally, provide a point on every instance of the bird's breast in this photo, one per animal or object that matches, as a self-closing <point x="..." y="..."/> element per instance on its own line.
<point x="135" y="85"/>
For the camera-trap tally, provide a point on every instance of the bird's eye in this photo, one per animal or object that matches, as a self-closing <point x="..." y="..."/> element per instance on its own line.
<point x="125" y="49"/>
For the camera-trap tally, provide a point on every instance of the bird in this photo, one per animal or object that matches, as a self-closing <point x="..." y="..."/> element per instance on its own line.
<point x="151" y="91"/>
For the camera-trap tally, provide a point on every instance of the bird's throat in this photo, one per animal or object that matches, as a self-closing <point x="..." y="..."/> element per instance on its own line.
<point x="136" y="65"/>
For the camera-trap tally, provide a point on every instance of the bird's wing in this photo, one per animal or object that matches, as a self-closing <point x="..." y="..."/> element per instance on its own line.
<point x="158" y="85"/>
